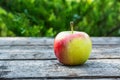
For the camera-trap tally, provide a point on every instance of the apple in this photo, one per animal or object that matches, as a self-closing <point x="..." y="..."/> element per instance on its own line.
<point x="72" y="47"/>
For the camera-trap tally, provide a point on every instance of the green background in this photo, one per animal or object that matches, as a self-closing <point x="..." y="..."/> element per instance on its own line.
<point x="40" y="18"/>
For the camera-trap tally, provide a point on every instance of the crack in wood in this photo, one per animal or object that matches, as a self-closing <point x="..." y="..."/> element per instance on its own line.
<point x="63" y="77"/>
<point x="49" y="59"/>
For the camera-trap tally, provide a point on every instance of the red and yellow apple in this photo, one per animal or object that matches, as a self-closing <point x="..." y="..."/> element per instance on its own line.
<point x="72" y="47"/>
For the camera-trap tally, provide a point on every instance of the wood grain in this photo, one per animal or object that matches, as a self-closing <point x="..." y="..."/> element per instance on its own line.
<point x="46" y="52"/>
<point x="33" y="59"/>
<point x="49" y="41"/>
<point x="52" y="69"/>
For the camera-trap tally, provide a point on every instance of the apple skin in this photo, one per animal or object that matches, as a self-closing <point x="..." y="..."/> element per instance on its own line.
<point x="72" y="48"/>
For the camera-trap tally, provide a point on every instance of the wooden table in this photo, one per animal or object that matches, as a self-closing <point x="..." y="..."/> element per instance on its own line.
<point x="34" y="59"/>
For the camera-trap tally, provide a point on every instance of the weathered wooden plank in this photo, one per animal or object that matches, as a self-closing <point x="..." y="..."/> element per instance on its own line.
<point x="46" y="52"/>
<point x="26" y="41"/>
<point x="51" y="47"/>
<point x="106" y="40"/>
<point x="49" y="41"/>
<point x="52" y="69"/>
<point x="49" y="53"/>
<point x="104" y="62"/>
<point x="26" y="47"/>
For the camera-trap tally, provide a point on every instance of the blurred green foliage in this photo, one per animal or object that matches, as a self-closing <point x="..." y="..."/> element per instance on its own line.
<point x="49" y="17"/>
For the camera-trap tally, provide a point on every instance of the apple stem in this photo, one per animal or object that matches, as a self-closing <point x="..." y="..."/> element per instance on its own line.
<point x="71" y="25"/>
